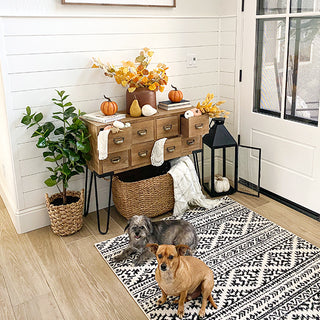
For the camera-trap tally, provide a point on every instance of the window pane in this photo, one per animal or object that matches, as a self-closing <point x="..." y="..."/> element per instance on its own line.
<point x="271" y="6"/>
<point x="269" y="63"/>
<point x="305" y="5"/>
<point x="303" y="75"/>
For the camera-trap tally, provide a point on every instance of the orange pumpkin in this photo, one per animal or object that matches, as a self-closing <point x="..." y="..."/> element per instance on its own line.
<point x="108" y="107"/>
<point x="175" y="95"/>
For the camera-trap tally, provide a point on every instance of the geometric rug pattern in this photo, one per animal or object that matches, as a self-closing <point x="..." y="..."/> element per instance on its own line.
<point x="261" y="270"/>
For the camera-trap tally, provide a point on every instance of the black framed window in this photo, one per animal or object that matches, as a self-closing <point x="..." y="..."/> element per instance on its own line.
<point x="287" y="65"/>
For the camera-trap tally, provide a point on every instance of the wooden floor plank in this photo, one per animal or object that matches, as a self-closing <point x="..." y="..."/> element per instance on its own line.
<point x="92" y="225"/>
<point x="42" y="307"/>
<point x="76" y="297"/>
<point x="82" y="233"/>
<point x="104" y="280"/>
<point x="19" y="264"/>
<point x="6" y="310"/>
<point x="293" y="221"/>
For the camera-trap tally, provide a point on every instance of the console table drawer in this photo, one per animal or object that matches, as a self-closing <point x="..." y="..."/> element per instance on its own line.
<point x="116" y="161"/>
<point x="172" y="148"/>
<point x="194" y="126"/>
<point x="142" y="131"/>
<point x="190" y="144"/>
<point x="119" y="141"/>
<point x="141" y="153"/>
<point x="167" y="127"/>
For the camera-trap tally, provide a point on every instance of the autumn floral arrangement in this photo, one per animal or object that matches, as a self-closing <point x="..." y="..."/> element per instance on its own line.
<point x="211" y="108"/>
<point x="133" y="75"/>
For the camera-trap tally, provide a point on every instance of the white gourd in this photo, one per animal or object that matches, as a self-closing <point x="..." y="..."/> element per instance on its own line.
<point x="221" y="184"/>
<point x="118" y="124"/>
<point x="148" y="111"/>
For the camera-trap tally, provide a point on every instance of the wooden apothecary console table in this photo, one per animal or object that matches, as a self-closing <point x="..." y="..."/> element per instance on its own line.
<point x="131" y="147"/>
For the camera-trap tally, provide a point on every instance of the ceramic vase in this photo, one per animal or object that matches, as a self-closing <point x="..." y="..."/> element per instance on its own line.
<point x="143" y="95"/>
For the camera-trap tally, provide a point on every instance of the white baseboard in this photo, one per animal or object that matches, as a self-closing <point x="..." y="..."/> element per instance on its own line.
<point x="37" y="217"/>
<point x="32" y="219"/>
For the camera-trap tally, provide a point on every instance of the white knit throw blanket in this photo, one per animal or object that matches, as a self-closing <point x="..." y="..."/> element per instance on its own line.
<point x="187" y="189"/>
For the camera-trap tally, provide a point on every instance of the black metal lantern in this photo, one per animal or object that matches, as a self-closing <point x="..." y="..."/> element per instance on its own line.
<point x="219" y="156"/>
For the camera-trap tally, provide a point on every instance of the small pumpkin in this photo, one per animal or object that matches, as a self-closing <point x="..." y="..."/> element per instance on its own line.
<point x="221" y="184"/>
<point x="108" y="107"/>
<point x="175" y="95"/>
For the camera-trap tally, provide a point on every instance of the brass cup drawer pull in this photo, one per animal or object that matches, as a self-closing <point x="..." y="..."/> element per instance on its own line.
<point x="143" y="154"/>
<point x="198" y="125"/>
<point x="115" y="160"/>
<point x="142" y="132"/>
<point x="167" y="127"/>
<point x="118" y="140"/>
<point x="171" y="149"/>
<point x="190" y="142"/>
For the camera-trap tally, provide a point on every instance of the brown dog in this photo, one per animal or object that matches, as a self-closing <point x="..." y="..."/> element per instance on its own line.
<point x="183" y="276"/>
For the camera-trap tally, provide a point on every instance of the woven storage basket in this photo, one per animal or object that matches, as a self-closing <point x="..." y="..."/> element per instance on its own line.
<point x="66" y="219"/>
<point x="150" y="197"/>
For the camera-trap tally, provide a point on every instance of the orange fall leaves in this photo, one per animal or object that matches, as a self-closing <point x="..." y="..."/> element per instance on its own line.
<point x="135" y="76"/>
<point x="212" y="109"/>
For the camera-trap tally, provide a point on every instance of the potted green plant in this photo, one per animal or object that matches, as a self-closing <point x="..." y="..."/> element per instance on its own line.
<point x="66" y="143"/>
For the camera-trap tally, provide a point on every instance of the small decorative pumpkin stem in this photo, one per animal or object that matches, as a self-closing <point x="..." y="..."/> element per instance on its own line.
<point x="175" y="88"/>
<point x="107" y="98"/>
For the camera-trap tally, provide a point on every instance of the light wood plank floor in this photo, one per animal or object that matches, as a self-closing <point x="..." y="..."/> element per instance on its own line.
<point x="44" y="276"/>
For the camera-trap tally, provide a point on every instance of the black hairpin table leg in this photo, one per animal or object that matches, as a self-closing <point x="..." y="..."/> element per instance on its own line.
<point x="109" y="200"/>
<point x="94" y="176"/>
<point x="86" y="194"/>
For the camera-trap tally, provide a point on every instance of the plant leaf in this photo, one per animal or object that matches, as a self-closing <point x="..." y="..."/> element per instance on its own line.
<point x="35" y="134"/>
<point x="50" y="159"/>
<point x="59" y="131"/>
<point x="59" y="157"/>
<point x="26" y="120"/>
<point x="58" y="118"/>
<point x="38" y="117"/>
<point x="42" y="143"/>
<point x="79" y="168"/>
<point x="65" y="169"/>
<point x="47" y="153"/>
<point x="73" y="156"/>
<point x="69" y="112"/>
<point x="47" y="128"/>
<point x="50" y="182"/>
<point x="84" y="147"/>
<point x="59" y="104"/>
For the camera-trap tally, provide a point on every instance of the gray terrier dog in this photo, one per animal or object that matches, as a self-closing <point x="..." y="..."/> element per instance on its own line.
<point x="142" y="230"/>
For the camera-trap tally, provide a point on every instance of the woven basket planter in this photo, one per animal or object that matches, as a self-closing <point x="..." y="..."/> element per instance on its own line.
<point x="150" y="197"/>
<point x="66" y="219"/>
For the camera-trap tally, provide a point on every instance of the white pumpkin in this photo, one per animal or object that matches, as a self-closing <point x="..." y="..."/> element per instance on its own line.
<point x="148" y="111"/>
<point x="118" y="124"/>
<point x="221" y="184"/>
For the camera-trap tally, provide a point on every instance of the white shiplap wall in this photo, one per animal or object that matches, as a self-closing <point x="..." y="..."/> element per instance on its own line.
<point x="42" y="54"/>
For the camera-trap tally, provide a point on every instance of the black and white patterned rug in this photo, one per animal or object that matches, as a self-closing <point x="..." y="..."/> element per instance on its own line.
<point x="262" y="271"/>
